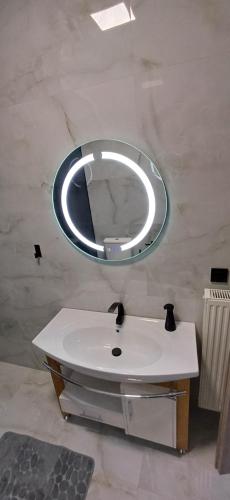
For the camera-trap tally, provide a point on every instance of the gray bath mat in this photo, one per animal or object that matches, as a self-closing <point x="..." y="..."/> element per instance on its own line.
<point x="33" y="470"/>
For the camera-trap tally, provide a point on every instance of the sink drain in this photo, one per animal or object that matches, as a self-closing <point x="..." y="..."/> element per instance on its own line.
<point x="116" y="351"/>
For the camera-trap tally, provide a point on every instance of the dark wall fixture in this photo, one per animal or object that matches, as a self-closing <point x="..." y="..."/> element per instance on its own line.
<point x="219" y="275"/>
<point x="37" y="253"/>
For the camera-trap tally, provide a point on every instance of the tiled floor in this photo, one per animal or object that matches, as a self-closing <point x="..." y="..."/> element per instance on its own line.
<point x="125" y="468"/>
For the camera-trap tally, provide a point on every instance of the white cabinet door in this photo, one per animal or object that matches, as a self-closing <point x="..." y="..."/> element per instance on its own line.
<point x="152" y="419"/>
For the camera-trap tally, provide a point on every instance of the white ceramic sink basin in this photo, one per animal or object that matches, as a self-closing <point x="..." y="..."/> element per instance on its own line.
<point x="84" y="341"/>
<point x="95" y="344"/>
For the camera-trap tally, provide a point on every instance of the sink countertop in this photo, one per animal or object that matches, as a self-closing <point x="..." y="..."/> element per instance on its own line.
<point x="83" y="340"/>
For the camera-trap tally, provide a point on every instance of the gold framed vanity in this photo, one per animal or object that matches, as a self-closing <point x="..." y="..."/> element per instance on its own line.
<point x="171" y="411"/>
<point x="145" y="390"/>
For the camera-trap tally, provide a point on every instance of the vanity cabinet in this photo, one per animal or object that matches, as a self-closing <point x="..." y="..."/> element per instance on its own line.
<point x="160" y="419"/>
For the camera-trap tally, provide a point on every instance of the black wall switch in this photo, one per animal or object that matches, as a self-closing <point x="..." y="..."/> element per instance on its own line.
<point x="219" y="275"/>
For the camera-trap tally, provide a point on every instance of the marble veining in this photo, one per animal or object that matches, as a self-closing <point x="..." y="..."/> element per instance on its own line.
<point x="160" y="83"/>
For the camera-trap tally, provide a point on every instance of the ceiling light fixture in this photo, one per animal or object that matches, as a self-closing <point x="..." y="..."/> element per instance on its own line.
<point x="113" y="16"/>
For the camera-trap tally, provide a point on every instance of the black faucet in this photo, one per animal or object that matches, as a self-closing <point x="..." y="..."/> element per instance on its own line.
<point x="121" y="312"/>
<point x="170" y="324"/>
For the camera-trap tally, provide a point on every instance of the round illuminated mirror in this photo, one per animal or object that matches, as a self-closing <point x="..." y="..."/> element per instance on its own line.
<point x="110" y="200"/>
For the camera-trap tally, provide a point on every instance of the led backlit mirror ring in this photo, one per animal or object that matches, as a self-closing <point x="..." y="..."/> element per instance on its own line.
<point x="107" y="155"/>
<point x="127" y="243"/>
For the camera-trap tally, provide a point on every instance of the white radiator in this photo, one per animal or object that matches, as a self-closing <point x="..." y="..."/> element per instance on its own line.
<point x="215" y="348"/>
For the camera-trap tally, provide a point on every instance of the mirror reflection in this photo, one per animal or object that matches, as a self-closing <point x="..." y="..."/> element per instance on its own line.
<point x="110" y="200"/>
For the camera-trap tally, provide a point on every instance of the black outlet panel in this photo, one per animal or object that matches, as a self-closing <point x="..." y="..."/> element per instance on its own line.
<point x="219" y="275"/>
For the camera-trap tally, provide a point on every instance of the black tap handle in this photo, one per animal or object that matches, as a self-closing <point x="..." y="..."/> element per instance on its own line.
<point x="121" y="312"/>
<point x="113" y="306"/>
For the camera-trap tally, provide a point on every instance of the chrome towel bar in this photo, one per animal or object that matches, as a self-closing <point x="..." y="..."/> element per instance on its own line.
<point x="170" y="394"/>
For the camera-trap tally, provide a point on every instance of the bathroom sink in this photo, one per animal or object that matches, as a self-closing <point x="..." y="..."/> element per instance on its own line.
<point x="140" y="351"/>
<point x="95" y="346"/>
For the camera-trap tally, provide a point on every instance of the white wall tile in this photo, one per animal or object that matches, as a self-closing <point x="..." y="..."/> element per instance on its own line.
<point x="160" y="83"/>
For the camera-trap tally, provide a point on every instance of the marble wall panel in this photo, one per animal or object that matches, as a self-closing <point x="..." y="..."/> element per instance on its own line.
<point x="160" y="83"/>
